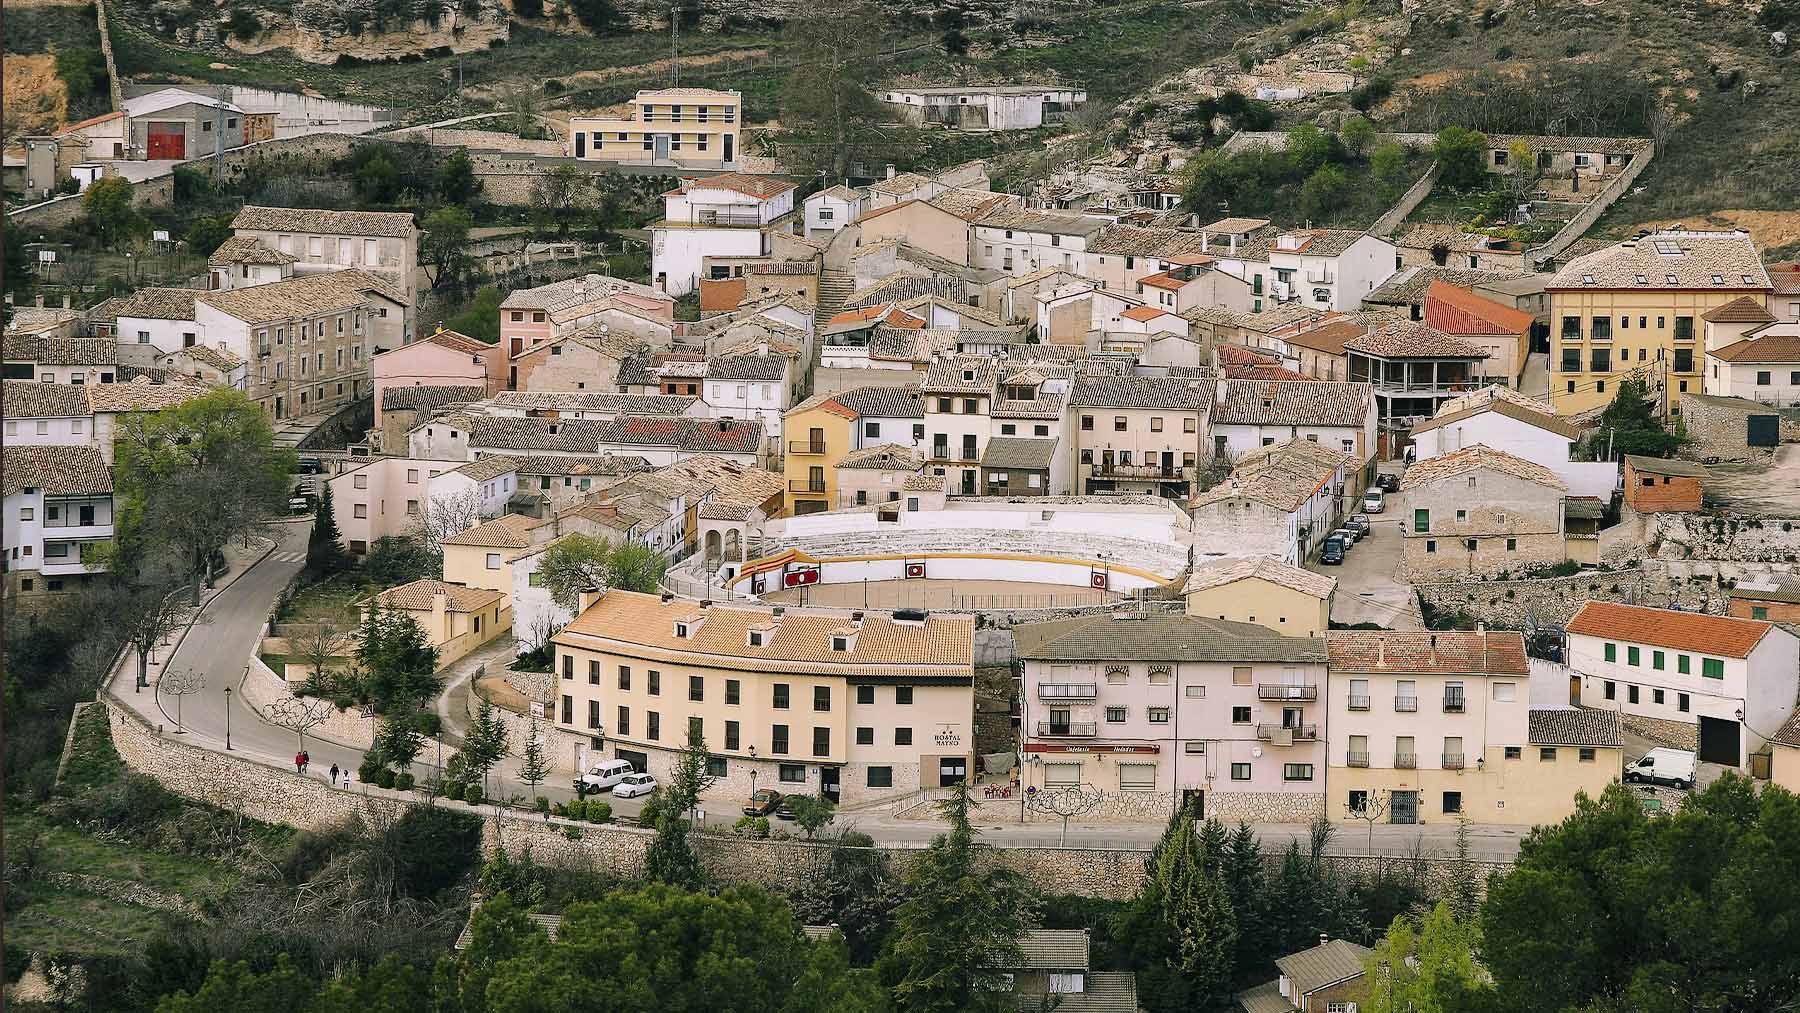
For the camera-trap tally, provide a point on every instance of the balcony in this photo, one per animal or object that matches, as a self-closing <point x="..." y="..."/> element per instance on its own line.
<point x="1406" y="761"/>
<point x="806" y="447"/>
<point x="1278" y="691"/>
<point x="1359" y="703"/>
<point x="1356" y="759"/>
<point x="1068" y="690"/>
<point x="1283" y="734"/>
<point x="1454" y="705"/>
<point x="806" y="485"/>
<point x="1112" y="469"/>
<point x="1452" y="761"/>
<point x="1406" y="704"/>
<point x="1070" y="729"/>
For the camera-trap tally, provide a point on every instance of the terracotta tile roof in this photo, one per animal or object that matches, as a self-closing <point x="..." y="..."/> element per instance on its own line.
<point x="1263" y="373"/>
<point x="1157" y="636"/>
<point x="1293" y="403"/>
<point x="64" y="351"/>
<point x="426" y="398"/>
<point x="1222" y="572"/>
<point x="28" y="399"/>
<point x="1666" y="466"/>
<point x="301" y="296"/>
<point x="840" y="191"/>
<point x="1500" y="406"/>
<point x="1234" y="226"/>
<point x="248" y="250"/>
<point x="899" y="185"/>
<point x="457" y="341"/>
<point x="1327" y="337"/>
<point x="327" y="223"/>
<point x="1410" y="285"/>
<point x="1140" y="392"/>
<point x="1789" y="733"/>
<point x="760" y="187"/>
<point x="487" y="467"/>
<point x="1574" y="726"/>
<point x="1496" y="652"/>
<point x="902" y="288"/>
<point x="721" y="295"/>
<point x="1742" y="310"/>
<point x="1144" y="313"/>
<point x="419" y="595"/>
<point x="90" y="121"/>
<point x="1053" y="950"/>
<point x="1458" y="311"/>
<point x="580" y="291"/>
<point x="1685" y="631"/>
<point x="1413" y="339"/>
<point x="746" y="367"/>
<point x="598" y="464"/>
<point x="594" y="400"/>
<point x="1050" y="222"/>
<point x="1142" y="241"/>
<point x="1494" y="392"/>
<point x="883" y="457"/>
<point x="1774" y="348"/>
<point x="926" y="483"/>
<point x="1018" y="453"/>
<point x="1318" y="242"/>
<point x="970" y="204"/>
<point x="1436" y="469"/>
<point x="1282" y="475"/>
<point x="940" y="648"/>
<point x="580" y="436"/>
<point x="883" y="402"/>
<point x="694" y="436"/>
<point x="142" y="395"/>
<point x="1718" y="261"/>
<point x="508" y="532"/>
<point x="1244" y="355"/>
<point x="63" y="471"/>
<point x="218" y="358"/>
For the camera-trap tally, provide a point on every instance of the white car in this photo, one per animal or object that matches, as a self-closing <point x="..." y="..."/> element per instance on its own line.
<point x="634" y="785"/>
<point x="1374" y="501"/>
<point x="1664" y="766"/>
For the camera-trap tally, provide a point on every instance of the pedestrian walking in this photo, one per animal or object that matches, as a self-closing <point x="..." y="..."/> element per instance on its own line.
<point x="305" y="760"/>
<point x="347" y="778"/>
<point x="333" y="774"/>
<point x="299" y="763"/>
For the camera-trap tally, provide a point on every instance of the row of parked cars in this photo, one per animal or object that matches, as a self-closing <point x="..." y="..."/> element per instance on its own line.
<point x="626" y="781"/>
<point x="1357" y="527"/>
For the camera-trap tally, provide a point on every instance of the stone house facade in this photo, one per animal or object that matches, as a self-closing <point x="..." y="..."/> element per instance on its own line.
<point x="1478" y="512"/>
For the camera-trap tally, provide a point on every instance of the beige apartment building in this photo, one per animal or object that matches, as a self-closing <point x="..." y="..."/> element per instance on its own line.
<point x="1436" y="727"/>
<point x="1140" y="435"/>
<point x="687" y="127"/>
<point x="483" y="555"/>
<point x="1634" y="308"/>
<point x="1262" y="590"/>
<point x="854" y="706"/>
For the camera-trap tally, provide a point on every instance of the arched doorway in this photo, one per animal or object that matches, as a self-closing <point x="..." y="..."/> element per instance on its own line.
<point x="734" y="548"/>
<point x="712" y="548"/>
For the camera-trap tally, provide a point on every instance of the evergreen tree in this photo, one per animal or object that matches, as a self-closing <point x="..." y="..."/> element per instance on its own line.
<point x="485" y="744"/>
<point x="534" y="766"/>
<point x="1245" y="878"/>
<point x="671" y="858"/>
<point x="324" y="555"/>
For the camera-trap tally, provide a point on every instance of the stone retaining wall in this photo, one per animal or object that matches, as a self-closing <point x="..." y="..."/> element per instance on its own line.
<point x="1682" y="536"/>
<point x="63" y="211"/>
<point x="263" y="689"/>
<point x="1662" y="731"/>
<point x="1555" y="600"/>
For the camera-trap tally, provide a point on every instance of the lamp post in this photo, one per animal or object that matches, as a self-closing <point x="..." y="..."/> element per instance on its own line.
<point x="228" y="718"/>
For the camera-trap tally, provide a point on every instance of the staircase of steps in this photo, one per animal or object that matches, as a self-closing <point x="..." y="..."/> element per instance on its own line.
<point x="835" y="288"/>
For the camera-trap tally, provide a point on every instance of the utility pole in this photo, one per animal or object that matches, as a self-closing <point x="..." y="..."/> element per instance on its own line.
<point x="674" y="46"/>
<point x="219" y="143"/>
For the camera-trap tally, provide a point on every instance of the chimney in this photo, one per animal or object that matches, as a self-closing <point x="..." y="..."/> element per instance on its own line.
<point x="588" y="598"/>
<point x="890" y="170"/>
<point x="1433" y="657"/>
<point x="1381" y="652"/>
<point x="706" y="603"/>
<point x="1324" y="938"/>
<point x="1205" y="241"/>
<point x="667" y="597"/>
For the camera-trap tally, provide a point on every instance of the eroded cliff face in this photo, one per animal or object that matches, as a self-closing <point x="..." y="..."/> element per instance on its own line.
<point x="326" y="31"/>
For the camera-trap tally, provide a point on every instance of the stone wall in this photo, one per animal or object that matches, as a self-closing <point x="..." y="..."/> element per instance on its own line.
<point x="1662" y="731"/>
<point x="63" y="211"/>
<point x="263" y="689"/>
<point x="1264" y="806"/>
<point x="1723" y="539"/>
<point x="1719" y="428"/>
<point x="1554" y="600"/>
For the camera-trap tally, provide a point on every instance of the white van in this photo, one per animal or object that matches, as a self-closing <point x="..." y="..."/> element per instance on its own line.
<point x="605" y="774"/>
<point x="1664" y="766"/>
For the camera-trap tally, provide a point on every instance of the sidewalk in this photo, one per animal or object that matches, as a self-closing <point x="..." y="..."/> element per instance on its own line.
<point x="453" y="704"/>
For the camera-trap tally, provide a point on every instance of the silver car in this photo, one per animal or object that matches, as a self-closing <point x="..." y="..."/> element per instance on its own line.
<point x="1374" y="501"/>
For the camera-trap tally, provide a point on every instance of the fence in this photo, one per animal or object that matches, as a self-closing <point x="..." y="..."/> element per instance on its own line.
<point x="1412" y="198"/>
<point x="1579" y="224"/>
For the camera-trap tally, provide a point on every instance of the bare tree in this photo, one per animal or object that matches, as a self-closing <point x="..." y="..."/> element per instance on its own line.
<point x="180" y="683"/>
<point x="538" y="632"/>
<point x="147" y="615"/>
<point x="1373" y="810"/>
<point x="299" y="714"/>
<point x="443" y="516"/>
<point x="1065" y="803"/>
<point x="319" y="640"/>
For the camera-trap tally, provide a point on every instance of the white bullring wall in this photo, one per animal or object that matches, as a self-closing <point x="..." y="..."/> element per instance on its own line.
<point x="1029" y="571"/>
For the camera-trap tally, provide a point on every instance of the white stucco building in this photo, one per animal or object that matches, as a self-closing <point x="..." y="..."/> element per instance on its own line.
<point x="1329" y="269"/>
<point x="729" y="215"/>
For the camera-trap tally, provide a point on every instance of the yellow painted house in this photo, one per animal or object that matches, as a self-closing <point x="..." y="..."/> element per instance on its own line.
<point x="456" y="619"/>
<point x="482" y="556"/>
<point x="820" y="431"/>
<point x="1635" y="308"/>
<point x="1262" y="590"/>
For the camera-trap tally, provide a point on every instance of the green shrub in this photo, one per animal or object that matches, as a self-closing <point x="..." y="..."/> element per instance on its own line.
<point x="542" y="804"/>
<point x="599" y="812"/>
<point x="244" y="23"/>
<point x="384" y="777"/>
<point x="752" y="826"/>
<point x="371" y="768"/>
<point x="404" y="781"/>
<point x="472" y="794"/>
<point x="454" y="790"/>
<point x="434" y="849"/>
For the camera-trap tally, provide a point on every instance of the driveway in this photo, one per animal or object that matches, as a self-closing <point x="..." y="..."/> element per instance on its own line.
<point x="1367" y="591"/>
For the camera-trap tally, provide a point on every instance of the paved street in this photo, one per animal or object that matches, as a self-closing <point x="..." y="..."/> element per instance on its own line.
<point x="1367" y="591"/>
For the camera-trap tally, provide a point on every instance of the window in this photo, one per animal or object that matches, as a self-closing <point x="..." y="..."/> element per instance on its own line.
<point x="1656" y="660"/>
<point x="781" y="696"/>
<point x="1612" y="689"/>
<point x="360" y="510"/>
<point x="1296" y="771"/>
<point x="1683" y="664"/>
<point x="792" y="773"/>
<point x="1601" y="329"/>
<point x="731" y="691"/>
<point x="821" y="742"/>
<point x="1159" y="715"/>
<point x="1156" y="424"/>
<point x="624" y="722"/>
<point x="1611" y="651"/>
<point x="903" y="736"/>
<point x="778" y="742"/>
<point x="903" y="694"/>
<point x="1421" y="520"/>
<point x="568" y="667"/>
<point x="1506" y="692"/>
<point x="652" y="724"/>
<point x="493" y="558"/>
<point x="1547" y="754"/>
<point x="1240" y="772"/>
<point x="821" y="698"/>
<point x="1712" y="668"/>
<point x="1513" y="752"/>
<point x="1136" y="777"/>
<point x="1087" y="423"/>
<point x="865" y="736"/>
<point x="1684" y="328"/>
<point x="1115" y="715"/>
<point x="1758" y="612"/>
<point x="1240" y="675"/>
<point x="655" y="687"/>
<point x="1631" y="656"/>
<point x="1452" y="802"/>
<point x="696" y="688"/>
<point x="1240" y="715"/>
<point x="881" y="777"/>
<point x="1682" y="702"/>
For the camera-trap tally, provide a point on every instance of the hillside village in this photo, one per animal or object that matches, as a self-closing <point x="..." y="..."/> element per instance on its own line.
<point x="1257" y="530"/>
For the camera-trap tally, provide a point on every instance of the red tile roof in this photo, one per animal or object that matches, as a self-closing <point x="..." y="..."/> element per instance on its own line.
<point x="1742" y="310"/>
<point x="721" y="295"/>
<point x="1684" y="631"/>
<point x="90" y="121"/>
<point x="760" y="187"/>
<point x="1460" y="311"/>
<point x="1449" y="653"/>
<point x="1774" y="348"/>
<point x="1144" y="313"/>
<point x="457" y="341"/>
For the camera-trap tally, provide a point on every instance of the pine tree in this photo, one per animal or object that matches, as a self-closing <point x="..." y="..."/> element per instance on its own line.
<point x="1197" y="915"/>
<point x="534" y="766"/>
<point x="1244" y="876"/>
<point x="324" y="555"/>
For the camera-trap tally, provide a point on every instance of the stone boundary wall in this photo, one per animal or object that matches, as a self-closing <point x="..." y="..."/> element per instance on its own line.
<point x="1412" y="198"/>
<point x="1723" y="538"/>
<point x="64" y="210"/>
<point x="1555" y="600"/>
<point x="274" y="795"/>
<point x="1591" y="212"/>
<point x="263" y="689"/>
<point x="1678" y="734"/>
<point x="113" y="85"/>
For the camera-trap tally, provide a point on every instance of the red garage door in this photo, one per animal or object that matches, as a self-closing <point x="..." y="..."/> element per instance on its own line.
<point x="167" y="140"/>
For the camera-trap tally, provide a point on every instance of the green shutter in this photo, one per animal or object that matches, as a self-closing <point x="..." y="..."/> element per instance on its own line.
<point x="1612" y="652"/>
<point x="1631" y="656"/>
<point x="1712" y="668"/>
<point x="1421" y="520"/>
<point x="1682" y="665"/>
<point x="1656" y="660"/>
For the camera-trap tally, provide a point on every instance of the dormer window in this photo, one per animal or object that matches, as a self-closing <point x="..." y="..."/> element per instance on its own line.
<point x="840" y="643"/>
<point x="968" y="376"/>
<point x="1669" y="278"/>
<point x="756" y="638"/>
<point x="1747" y="279"/>
<point x="681" y="630"/>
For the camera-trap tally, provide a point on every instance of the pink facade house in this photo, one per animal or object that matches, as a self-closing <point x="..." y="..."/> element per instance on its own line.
<point x="1156" y="710"/>
<point x="533" y="316"/>
<point x="444" y="359"/>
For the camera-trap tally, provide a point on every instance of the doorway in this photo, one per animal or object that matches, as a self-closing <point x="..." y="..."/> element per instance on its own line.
<point x="639" y="762"/>
<point x="952" y="770"/>
<point x="1403" y="807"/>
<point x="662" y="147"/>
<point x="580" y="145"/>
<point x="1194" y="800"/>
<point x="828" y="783"/>
<point x="1719" y="741"/>
<point x="1574" y="690"/>
<point x="728" y="139"/>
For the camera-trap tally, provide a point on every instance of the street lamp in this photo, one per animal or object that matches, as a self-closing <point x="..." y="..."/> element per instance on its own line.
<point x="228" y="717"/>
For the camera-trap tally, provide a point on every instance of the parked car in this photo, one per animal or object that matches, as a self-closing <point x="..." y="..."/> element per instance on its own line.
<point x="763" y="801"/>
<point x="1347" y="536"/>
<point x="1332" y="552"/>
<point x="634" y="785"/>
<point x="1664" y="766"/>
<point x="1387" y="481"/>
<point x="786" y="810"/>
<point x="1359" y="523"/>
<point x="1374" y="501"/>
<point x="604" y="775"/>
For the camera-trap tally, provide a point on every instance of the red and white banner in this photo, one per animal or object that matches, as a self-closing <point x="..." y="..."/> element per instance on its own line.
<point x="800" y="576"/>
<point x="1097" y="579"/>
<point x="914" y="571"/>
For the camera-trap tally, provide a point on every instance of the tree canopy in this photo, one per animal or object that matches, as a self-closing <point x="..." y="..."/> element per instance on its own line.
<point x="578" y="562"/>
